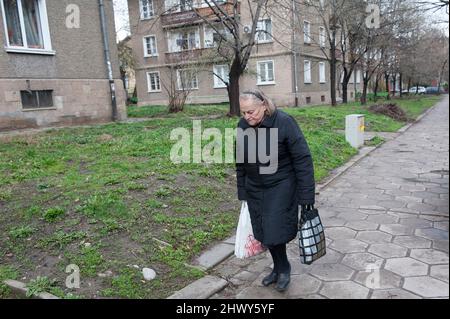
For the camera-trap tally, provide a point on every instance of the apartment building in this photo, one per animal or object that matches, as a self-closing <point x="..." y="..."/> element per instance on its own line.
<point x="52" y="63"/>
<point x="168" y="34"/>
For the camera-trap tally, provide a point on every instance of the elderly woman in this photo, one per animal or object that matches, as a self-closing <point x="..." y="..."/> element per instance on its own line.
<point x="274" y="199"/>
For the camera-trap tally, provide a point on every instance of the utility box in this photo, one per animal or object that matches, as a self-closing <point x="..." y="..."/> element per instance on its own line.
<point x="354" y="130"/>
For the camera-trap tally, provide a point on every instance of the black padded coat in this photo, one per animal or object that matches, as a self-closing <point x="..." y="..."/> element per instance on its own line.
<point x="273" y="199"/>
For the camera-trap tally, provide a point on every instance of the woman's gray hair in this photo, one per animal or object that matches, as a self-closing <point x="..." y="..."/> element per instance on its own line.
<point x="259" y="97"/>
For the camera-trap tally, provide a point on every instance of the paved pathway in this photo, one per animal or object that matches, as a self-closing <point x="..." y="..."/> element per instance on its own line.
<point x="386" y="222"/>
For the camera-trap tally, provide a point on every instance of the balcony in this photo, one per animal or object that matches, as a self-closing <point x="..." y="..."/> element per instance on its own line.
<point x="194" y="16"/>
<point x="184" y="56"/>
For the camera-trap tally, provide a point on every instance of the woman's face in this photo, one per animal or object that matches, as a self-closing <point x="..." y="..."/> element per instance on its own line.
<point x="252" y="112"/>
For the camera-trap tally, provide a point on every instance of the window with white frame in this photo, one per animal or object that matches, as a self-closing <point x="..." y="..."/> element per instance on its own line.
<point x="307" y="32"/>
<point x="187" y="79"/>
<point x="150" y="48"/>
<point x="184" y="40"/>
<point x="263" y="31"/>
<point x="186" y="5"/>
<point x="322" y="37"/>
<point x="26" y="25"/>
<point x="221" y="73"/>
<point x="147" y="9"/>
<point x="265" y="71"/>
<point x="154" y="81"/>
<point x="307" y="71"/>
<point x="322" y="73"/>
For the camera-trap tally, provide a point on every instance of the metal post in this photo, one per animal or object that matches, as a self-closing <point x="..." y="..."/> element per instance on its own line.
<point x="294" y="49"/>
<point x="108" y="59"/>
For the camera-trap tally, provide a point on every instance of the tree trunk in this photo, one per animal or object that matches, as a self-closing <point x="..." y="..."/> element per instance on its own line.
<point x="401" y="85"/>
<point x="375" y="89"/>
<point x="233" y="89"/>
<point x="386" y="81"/>
<point x="440" y="76"/>
<point x="333" y="76"/>
<point x="344" y="92"/>
<point x="395" y="82"/>
<point x="123" y="75"/>
<point x="364" y="92"/>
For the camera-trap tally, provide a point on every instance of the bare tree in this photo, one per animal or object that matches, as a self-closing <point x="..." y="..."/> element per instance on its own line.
<point x="234" y="46"/>
<point x="127" y="61"/>
<point x="178" y="84"/>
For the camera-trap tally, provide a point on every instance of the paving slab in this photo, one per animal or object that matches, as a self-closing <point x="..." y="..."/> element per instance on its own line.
<point x="426" y="287"/>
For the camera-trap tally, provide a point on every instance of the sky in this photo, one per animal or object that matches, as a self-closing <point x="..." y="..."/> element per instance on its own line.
<point x="121" y="18"/>
<point x="122" y="24"/>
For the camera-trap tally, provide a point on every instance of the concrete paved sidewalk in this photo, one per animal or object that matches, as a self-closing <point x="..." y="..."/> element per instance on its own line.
<point x="386" y="222"/>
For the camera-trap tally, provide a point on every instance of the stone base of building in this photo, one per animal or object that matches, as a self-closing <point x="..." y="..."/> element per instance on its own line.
<point x="280" y="99"/>
<point x="75" y="102"/>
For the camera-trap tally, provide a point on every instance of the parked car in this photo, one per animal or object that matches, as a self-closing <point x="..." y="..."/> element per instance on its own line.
<point x="434" y="90"/>
<point x="418" y="90"/>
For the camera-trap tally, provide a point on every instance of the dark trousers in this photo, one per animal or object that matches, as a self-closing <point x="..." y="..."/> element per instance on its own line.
<point x="280" y="260"/>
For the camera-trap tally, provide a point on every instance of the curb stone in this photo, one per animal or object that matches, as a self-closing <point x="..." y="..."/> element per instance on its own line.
<point x="19" y="288"/>
<point x="201" y="289"/>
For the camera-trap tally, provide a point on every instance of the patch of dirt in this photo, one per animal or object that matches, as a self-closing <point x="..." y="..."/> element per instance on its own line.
<point x="391" y="109"/>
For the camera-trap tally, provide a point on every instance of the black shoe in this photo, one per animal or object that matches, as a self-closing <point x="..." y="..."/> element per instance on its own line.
<point x="283" y="281"/>
<point x="270" y="279"/>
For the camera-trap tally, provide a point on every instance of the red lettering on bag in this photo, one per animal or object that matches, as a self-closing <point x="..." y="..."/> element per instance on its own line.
<point x="253" y="247"/>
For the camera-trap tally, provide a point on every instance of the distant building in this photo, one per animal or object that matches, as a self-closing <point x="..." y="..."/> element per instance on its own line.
<point x="162" y="38"/>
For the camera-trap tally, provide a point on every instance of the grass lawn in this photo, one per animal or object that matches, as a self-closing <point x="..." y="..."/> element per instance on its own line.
<point x="108" y="199"/>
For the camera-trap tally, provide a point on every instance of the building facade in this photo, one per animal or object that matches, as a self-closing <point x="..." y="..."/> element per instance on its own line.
<point x="164" y="38"/>
<point x="52" y="64"/>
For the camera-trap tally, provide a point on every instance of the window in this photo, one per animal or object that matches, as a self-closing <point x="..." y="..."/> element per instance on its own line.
<point x="263" y="31"/>
<point x="322" y="98"/>
<point x="220" y="76"/>
<point x="150" y="48"/>
<point x="187" y="80"/>
<point x="153" y="82"/>
<point x="147" y="10"/>
<point x="265" y="73"/>
<point x="308" y="100"/>
<point x="307" y="32"/>
<point x="307" y="71"/>
<point x="184" y="40"/>
<point x="186" y="5"/>
<point x="322" y="37"/>
<point x="26" y="26"/>
<point x="212" y="37"/>
<point x="37" y="99"/>
<point x="322" y="76"/>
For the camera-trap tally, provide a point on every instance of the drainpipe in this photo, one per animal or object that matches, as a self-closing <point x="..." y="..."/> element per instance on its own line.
<point x="294" y="54"/>
<point x="105" y="36"/>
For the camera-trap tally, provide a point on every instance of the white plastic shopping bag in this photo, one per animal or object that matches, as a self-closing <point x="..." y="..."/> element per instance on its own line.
<point x="246" y="245"/>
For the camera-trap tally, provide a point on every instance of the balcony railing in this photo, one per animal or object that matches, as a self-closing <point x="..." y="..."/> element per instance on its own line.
<point x="184" y="56"/>
<point x="196" y="15"/>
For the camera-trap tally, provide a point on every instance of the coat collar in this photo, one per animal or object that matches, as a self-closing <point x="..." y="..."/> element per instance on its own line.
<point x="267" y="122"/>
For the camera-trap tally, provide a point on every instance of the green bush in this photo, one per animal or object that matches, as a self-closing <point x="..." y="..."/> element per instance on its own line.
<point x="133" y="100"/>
